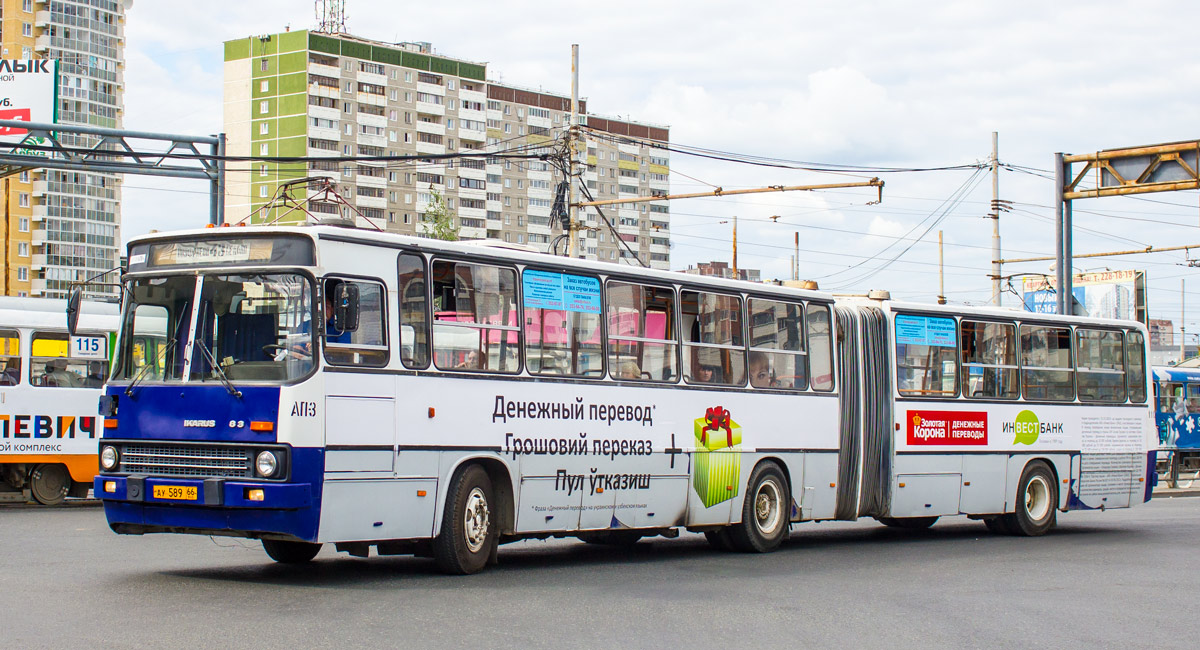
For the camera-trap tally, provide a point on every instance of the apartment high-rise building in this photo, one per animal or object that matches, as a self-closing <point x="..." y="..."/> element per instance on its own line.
<point x="309" y="94"/>
<point x="65" y="226"/>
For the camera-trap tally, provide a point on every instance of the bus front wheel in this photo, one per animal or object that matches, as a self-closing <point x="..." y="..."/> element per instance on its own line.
<point x="286" y="552"/>
<point x="49" y="484"/>
<point x="1037" y="502"/>
<point x="468" y="526"/>
<point x="764" y="515"/>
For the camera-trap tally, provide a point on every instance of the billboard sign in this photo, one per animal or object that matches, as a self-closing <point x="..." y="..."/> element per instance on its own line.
<point x="28" y="93"/>
<point x="1106" y="294"/>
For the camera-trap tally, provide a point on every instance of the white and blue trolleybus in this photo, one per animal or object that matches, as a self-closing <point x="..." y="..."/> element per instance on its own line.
<point x="329" y="385"/>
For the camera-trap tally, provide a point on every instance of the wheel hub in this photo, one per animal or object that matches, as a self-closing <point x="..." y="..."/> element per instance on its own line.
<point x="767" y="511"/>
<point x="476" y="520"/>
<point x="1037" y="499"/>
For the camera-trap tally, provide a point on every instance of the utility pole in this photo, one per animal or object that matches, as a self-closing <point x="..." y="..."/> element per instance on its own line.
<point x="7" y="237"/>
<point x="735" y="271"/>
<point x="1182" y="311"/>
<point x="573" y="155"/>
<point x="996" y="270"/>
<point x="941" y="273"/>
<point x="796" y="265"/>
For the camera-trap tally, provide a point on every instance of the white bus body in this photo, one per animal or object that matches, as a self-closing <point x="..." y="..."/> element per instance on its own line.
<point x="49" y="386"/>
<point x="395" y="439"/>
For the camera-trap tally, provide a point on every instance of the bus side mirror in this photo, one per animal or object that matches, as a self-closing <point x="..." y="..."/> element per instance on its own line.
<point x="74" y="297"/>
<point x="345" y="307"/>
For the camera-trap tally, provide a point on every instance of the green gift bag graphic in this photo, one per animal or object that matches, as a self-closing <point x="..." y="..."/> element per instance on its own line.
<point x="717" y="461"/>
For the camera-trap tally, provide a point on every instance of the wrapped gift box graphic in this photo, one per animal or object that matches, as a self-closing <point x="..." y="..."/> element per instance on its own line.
<point x="717" y="461"/>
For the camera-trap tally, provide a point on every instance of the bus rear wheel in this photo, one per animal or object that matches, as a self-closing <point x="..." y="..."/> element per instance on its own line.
<point x="764" y="516"/>
<point x="286" y="552"/>
<point x="49" y="484"/>
<point x="1037" y="502"/>
<point x="468" y="533"/>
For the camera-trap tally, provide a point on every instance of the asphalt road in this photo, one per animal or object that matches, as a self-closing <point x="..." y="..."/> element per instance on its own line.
<point x="1114" y="579"/>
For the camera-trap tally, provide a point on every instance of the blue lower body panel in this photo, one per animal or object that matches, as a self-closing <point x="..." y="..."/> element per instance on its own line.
<point x="218" y="506"/>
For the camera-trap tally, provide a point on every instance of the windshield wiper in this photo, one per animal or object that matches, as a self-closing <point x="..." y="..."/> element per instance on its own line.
<point x="212" y="361"/>
<point x="142" y="373"/>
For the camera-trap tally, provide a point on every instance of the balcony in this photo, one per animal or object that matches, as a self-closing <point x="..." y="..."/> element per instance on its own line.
<point x="42" y="43"/>
<point x="41" y="18"/>
<point x="39" y="213"/>
<point x="324" y="70"/>
<point x="38" y="262"/>
<point x="40" y="188"/>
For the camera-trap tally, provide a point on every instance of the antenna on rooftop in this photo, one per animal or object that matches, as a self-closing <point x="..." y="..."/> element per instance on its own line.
<point x="331" y="16"/>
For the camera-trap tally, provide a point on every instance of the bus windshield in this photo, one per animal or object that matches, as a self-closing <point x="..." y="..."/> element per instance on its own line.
<point x="247" y="327"/>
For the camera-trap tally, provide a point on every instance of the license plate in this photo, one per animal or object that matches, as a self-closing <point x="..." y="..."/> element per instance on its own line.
<point x="175" y="492"/>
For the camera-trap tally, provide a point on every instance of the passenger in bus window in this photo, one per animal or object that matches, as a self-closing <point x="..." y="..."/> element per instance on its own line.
<point x="332" y="334"/>
<point x="470" y="362"/>
<point x="58" y="376"/>
<point x="760" y="370"/>
<point x="628" y="369"/>
<point x="96" y="374"/>
<point x="11" y="375"/>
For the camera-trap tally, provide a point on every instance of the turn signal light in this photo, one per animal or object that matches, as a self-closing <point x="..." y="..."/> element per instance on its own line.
<point x="110" y="423"/>
<point x="262" y="426"/>
<point x="255" y="494"/>
<point x="110" y="486"/>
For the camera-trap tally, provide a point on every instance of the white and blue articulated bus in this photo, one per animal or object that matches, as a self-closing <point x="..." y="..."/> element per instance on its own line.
<point x="376" y="391"/>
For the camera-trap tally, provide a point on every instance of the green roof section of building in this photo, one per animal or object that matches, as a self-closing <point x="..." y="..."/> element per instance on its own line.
<point x="237" y="49"/>
<point x="292" y="44"/>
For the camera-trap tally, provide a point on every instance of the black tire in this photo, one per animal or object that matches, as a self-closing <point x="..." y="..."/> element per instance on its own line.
<point x="1037" y="502"/>
<point x="908" y="523"/>
<point x="764" y="512"/>
<point x="719" y="539"/>
<point x="49" y="484"/>
<point x="286" y="552"/>
<point x="468" y="534"/>
<point x="997" y="525"/>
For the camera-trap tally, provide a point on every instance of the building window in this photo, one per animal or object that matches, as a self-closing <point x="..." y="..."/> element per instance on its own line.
<point x="408" y="138"/>
<point x="23" y="249"/>
<point x="263" y="65"/>
<point x="264" y="106"/>
<point x="262" y="170"/>
<point x="26" y="29"/>
<point x="23" y="273"/>
<point x="264" y="86"/>
<point x="450" y="124"/>
<point x="27" y="6"/>
<point x="23" y="224"/>
<point x="264" y="128"/>
<point x="25" y="177"/>
<point x="262" y="191"/>
<point x="23" y="199"/>
<point x="449" y="84"/>
<point x="452" y="104"/>
<point x="264" y="149"/>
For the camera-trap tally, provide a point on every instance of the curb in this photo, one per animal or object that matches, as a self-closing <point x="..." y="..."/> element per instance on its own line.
<point x="1167" y="493"/>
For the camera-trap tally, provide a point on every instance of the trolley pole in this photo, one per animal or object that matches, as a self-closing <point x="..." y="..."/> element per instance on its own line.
<point x="573" y="154"/>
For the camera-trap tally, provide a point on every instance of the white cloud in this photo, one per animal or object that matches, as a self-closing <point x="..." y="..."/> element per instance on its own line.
<point x="869" y="83"/>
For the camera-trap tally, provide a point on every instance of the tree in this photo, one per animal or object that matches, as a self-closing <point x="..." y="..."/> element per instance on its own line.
<point x="439" y="222"/>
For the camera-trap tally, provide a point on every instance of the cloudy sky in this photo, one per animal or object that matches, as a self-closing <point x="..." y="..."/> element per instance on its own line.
<point x="878" y="85"/>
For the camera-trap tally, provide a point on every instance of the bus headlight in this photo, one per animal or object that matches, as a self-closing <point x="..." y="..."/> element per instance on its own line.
<point x="108" y="458"/>
<point x="266" y="464"/>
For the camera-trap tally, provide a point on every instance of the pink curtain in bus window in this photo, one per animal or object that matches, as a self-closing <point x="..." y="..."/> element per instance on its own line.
<point x="656" y="325"/>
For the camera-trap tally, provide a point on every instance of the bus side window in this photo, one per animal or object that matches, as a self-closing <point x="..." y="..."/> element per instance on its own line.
<point x="926" y="356"/>
<point x="1046" y="369"/>
<point x="989" y="359"/>
<point x="714" y="348"/>
<point x="475" y="323"/>
<point x="820" y="347"/>
<point x="562" y="324"/>
<point x="51" y="365"/>
<point x="366" y="345"/>
<point x="1168" y="394"/>
<point x="641" y="332"/>
<point x="777" y="345"/>
<point x="10" y="357"/>
<point x="414" y="311"/>
<point x="1135" y="366"/>
<point x="1100" y="363"/>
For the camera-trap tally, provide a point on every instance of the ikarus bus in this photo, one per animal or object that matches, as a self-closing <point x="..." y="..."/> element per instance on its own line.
<point x="49" y="384"/>
<point x="376" y="391"/>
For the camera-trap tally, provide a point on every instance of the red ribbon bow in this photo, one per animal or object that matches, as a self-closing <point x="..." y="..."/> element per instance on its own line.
<point x="715" y="419"/>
